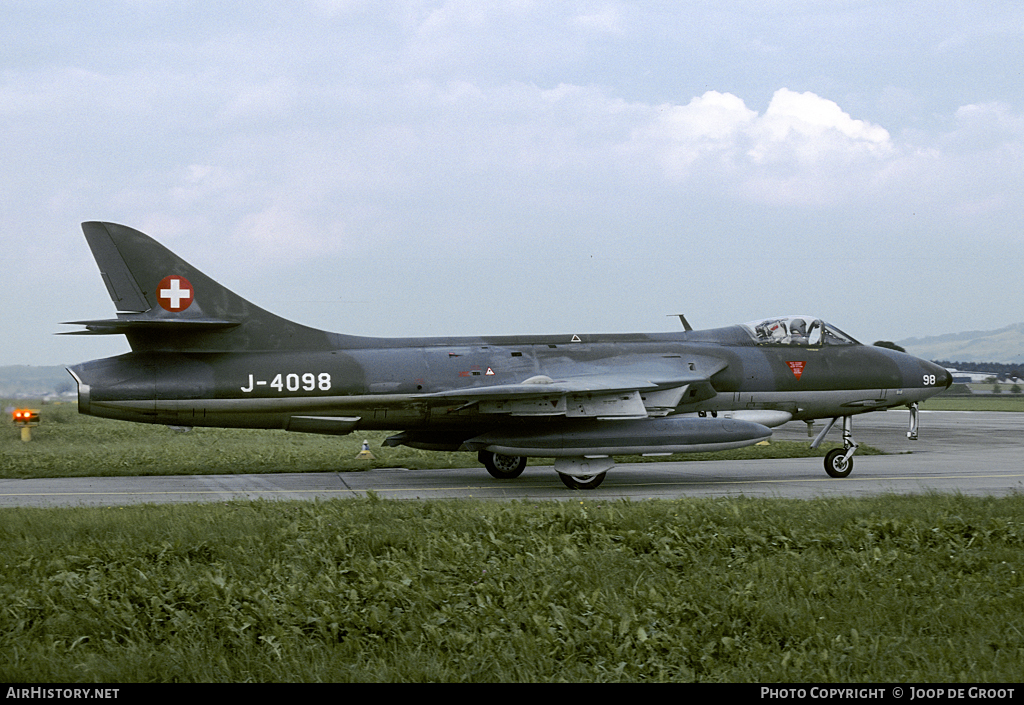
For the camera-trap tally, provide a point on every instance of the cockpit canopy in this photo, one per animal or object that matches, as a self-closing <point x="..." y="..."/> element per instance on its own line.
<point x="797" y="331"/>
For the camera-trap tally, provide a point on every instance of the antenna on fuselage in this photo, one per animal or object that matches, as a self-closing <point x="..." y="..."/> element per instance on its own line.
<point x="682" y="319"/>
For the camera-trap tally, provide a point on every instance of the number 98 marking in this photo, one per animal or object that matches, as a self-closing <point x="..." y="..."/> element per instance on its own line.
<point x="929" y="380"/>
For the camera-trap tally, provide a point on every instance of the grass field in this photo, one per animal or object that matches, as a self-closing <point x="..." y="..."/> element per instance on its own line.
<point x="67" y="444"/>
<point x="980" y="402"/>
<point x="890" y="589"/>
<point x="887" y="589"/>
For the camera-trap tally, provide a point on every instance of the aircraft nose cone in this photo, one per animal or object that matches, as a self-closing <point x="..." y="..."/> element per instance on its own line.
<point x="943" y="377"/>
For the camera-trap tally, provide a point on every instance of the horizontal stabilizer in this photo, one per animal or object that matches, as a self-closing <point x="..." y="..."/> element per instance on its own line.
<point x="115" y="326"/>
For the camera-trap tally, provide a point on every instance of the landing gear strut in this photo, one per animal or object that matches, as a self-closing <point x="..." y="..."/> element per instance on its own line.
<point x="914" y="412"/>
<point x="839" y="462"/>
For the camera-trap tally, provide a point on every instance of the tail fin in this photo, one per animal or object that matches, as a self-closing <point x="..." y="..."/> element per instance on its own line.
<point x="166" y="304"/>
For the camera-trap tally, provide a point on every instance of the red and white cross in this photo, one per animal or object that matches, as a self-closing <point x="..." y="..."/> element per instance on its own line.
<point x="175" y="293"/>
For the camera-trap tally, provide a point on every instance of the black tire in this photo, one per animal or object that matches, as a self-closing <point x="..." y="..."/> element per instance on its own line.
<point x="582" y="483"/>
<point x="502" y="467"/>
<point x="835" y="465"/>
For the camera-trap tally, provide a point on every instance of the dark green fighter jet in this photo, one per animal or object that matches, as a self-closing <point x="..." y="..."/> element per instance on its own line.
<point x="203" y="356"/>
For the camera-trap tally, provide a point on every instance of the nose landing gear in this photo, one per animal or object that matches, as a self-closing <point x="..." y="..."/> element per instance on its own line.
<point x="839" y="462"/>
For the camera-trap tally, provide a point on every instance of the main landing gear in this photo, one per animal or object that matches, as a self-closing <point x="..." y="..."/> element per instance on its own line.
<point x="583" y="473"/>
<point x="575" y="473"/>
<point x="839" y="461"/>
<point x="502" y="467"/>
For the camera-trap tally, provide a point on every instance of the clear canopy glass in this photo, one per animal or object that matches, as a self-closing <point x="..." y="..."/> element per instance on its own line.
<point x="797" y="330"/>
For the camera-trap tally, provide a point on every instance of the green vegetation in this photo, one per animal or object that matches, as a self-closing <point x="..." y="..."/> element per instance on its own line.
<point x="889" y="589"/>
<point x="988" y="402"/>
<point x="67" y="444"/>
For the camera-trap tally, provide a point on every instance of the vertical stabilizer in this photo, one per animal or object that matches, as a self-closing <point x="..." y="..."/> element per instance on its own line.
<point x="166" y="304"/>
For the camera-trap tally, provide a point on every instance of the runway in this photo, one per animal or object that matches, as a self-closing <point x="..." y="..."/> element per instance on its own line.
<point x="973" y="453"/>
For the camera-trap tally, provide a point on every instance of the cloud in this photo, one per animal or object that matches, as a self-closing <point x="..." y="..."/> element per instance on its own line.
<point x="704" y="133"/>
<point x="986" y="127"/>
<point x="819" y="122"/>
<point x="804" y="149"/>
<point x="430" y="97"/>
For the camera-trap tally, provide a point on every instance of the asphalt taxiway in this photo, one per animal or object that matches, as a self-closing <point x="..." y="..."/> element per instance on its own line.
<point x="972" y="453"/>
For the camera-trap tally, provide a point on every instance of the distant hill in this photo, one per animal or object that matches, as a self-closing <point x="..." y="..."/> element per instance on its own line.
<point x="31" y="381"/>
<point x="1005" y="345"/>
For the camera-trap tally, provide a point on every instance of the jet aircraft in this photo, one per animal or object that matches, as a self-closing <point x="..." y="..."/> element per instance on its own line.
<point x="204" y="356"/>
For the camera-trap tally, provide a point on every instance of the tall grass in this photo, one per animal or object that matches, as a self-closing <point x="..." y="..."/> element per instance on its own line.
<point x="888" y="589"/>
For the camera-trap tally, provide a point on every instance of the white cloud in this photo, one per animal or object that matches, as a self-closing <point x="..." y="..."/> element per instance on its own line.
<point x="709" y="128"/>
<point x="804" y="149"/>
<point x="813" y="117"/>
<point x="987" y="126"/>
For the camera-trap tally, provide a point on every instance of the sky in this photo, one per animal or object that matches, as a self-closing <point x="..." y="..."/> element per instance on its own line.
<point x="473" y="167"/>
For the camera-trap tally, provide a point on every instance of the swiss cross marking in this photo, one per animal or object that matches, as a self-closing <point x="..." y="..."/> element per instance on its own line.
<point x="797" y="367"/>
<point x="175" y="293"/>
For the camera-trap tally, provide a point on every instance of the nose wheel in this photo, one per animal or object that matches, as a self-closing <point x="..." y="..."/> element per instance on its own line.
<point x="837" y="464"/>
<point x="839" y="461"/>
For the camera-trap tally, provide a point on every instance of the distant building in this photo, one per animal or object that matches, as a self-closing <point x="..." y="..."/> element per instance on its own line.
<point x="968" y="377"/>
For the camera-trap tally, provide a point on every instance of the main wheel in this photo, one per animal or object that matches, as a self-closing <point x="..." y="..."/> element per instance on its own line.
<point x="502" y="467"/>
<point x="836" y="464"/>
<point x="582" y="483"/>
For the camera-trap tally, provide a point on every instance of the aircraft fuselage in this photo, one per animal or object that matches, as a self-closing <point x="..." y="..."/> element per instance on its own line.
<point x="390" y="388"/>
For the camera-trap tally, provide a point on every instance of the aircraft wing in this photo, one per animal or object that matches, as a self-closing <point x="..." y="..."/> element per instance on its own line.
<point x="610" y="395"/>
